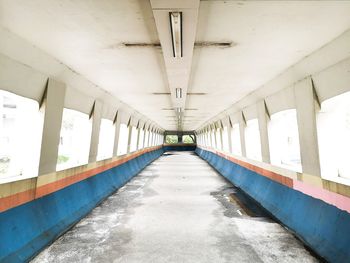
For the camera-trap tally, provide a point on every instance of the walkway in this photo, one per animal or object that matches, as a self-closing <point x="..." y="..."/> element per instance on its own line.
<point x="177" y="210"/>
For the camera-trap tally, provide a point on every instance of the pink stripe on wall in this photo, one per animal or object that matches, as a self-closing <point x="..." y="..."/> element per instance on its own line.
<point x="340" y="201"/>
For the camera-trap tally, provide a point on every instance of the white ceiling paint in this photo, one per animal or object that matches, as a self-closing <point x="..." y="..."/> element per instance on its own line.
<point x="328" y="67"/>
<point x="88" y="36"/>
<point x="270" y="36"/>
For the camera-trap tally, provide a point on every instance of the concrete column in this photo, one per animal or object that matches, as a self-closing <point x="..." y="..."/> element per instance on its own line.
<point x="144" y="138"/>
<point x="116" y="136"/>
<point x="221" y="140"/>
<point x="242" y="126"/>
<point x="229" y="139"/>
<point x="95" y="134"/>
<point x="138" y="138"/>
<point x="208" y="139"/>
<point x="306" y="116"/>
<point x="156" y="138"/>
<point x="215" y="140"/>
<point x="263" y="119"/>
<point x="129" y="138"/>
<point x="211" y="138"/>
<point x="53" y="111"/>
<point x="148" y="138"/>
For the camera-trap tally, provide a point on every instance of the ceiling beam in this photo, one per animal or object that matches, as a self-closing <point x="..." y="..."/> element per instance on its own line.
<point x="178" y="69"/>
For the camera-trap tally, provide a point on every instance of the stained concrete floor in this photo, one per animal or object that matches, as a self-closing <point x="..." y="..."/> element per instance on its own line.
<point x="176" y="210"/>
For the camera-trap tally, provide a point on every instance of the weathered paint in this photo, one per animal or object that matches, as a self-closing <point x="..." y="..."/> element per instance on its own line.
<point x="27" y="228"/>
<point x="340" y="201"/>
<point x="322" y="226"/>
<point x="177" y="213"/>
<point x="28" y="202"/>
<point x="330" y="192"/>
<point x="19" y="192"/>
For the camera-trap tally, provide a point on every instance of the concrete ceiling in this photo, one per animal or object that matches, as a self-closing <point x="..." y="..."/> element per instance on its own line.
<point x="239" y="46"/>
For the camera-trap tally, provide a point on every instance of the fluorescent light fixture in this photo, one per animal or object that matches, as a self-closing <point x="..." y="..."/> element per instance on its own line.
<point x="178" y="93"/>
<point x="176" y="33"/>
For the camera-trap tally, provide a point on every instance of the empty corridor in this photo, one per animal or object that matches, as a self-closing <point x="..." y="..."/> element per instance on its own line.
<point x="177" y="210"/>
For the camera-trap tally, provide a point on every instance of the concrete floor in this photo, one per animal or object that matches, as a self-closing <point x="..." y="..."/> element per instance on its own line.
<point x="177" y="210"/>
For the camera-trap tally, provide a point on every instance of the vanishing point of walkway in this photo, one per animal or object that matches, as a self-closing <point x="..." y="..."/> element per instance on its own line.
<point x="177" y="210"/>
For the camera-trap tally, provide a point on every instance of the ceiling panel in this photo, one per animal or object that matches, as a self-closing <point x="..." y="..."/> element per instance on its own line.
<point x="267" y="37"/>
<point x="239" y="46"/>
<point x="91" y="37"/>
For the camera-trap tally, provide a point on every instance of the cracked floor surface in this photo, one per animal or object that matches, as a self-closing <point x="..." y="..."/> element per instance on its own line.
<point x="178" y="209"/>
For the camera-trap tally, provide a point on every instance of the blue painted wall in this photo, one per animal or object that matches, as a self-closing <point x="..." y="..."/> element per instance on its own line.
<point x="27" y="229"/>
<point x="325" y="228"/>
